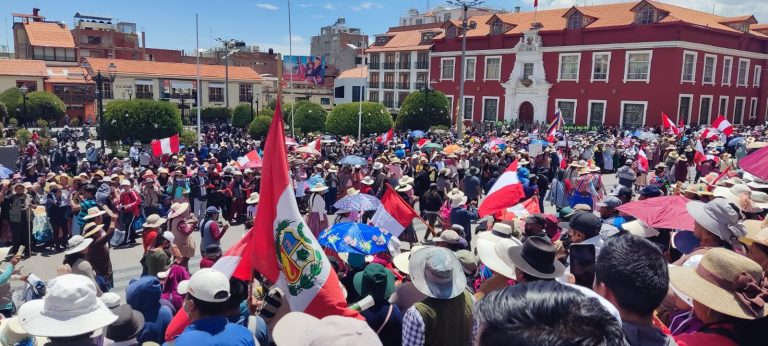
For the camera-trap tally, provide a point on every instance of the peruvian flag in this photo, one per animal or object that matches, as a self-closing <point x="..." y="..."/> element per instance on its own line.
<point x="668" y="124"/>
<point x="385" y="138"/>
<point x="555" y="126"/>
<point x="422" y="142"/>
<point x="168" y="145"/>
<point x="723" y="125"/>
<point x="506" y="192"/>
<point x="283" y="247"/>
<point x="521" y="210"/>
<point x="316" y="144"/>
<point x="394" y="214"/>
<point x="700" y="155"/>
<point x="231" y="263"/>
<point x="642" y="160"/>
<point x="710" y="133"/>
<point x="250" y="160"/>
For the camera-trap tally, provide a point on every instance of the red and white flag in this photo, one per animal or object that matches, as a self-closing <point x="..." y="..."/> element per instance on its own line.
<point x="521" y="210"/>
<point x="394" y="214"/>
<point x="700" y="155"/>
<point x="316" y="144"/>
<point x="422" y="142"/>
<point x="385" y="138"/>
<point x="250" y="160"/>
<point x="506" y="192"/>
<point x="710" y="133"/>
<point x="723" y="125"/>
<point x="231" y="263"/>
<point x="168" y="145"/>
<point x="668" y="124"/>
<point x="283" y="247"/>
<point x="642" y="160"/>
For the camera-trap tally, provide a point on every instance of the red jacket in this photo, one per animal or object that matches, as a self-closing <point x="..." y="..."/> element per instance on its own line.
<point x="130" y="201"/>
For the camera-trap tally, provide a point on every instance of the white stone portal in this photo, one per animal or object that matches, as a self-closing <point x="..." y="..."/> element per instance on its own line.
<point x="527" y="82"/>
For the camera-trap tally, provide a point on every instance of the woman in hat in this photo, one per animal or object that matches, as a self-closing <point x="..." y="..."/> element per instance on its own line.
<point x="98" y="251"/>
<point x="151" y="196"/>
<point x="158" y="257"/>
<point x="727" y="291"/>
<point x="178" y="188"/>
<point x="317" y="219"/>
<point x="717" y="223"/>
<point x="181" y="224"/>
<point x="75" y="261"/>
<point x="129" y="206"/>
<point x="57" y="210"/>
<point x="409" y="233"/>
<point x="383" y="317"/>
<point x="332" y="181"/>
<point x="152" y="227"/>
<point x="6" y="292"/>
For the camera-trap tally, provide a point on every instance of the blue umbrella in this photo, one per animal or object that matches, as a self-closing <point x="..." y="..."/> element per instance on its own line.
<point x="353" y="160"/>
<point x="736" y="141"/>
<point x="358" y="202"/>
<point x="5" y="172"/>
<point x="355" y="237"/>
<point x="418" y="133"/>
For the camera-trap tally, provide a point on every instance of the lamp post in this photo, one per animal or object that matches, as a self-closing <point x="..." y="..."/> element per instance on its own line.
<point x="129" y="91"/>
<point x="182" y="98"/>
<point x="250" y="98"/>
<point x="99" y="79"/>
<point x="230" y="47"/>
<point x="465" y="5"/>
<point x="24" y="91"/>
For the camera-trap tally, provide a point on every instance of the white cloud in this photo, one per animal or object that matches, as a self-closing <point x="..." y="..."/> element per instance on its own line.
<point x="295" y="38"/>
<point x="329" y="6"/>
<point x="306" y="5"/>
<point x="366" y="6"/>
<point x="267" y="6"/>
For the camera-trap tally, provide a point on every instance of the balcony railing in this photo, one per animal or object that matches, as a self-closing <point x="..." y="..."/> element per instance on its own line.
<point x="373" y="66"/>
<point x="388" y="85"/>
<point x="389" y="66"/>
<point x="373" y="85"/>
<point x="419" y="86"/>
<point x="404" y="85"/>
<point x="389" y="103"/>
<point x="404" y="65"/>
<point x="422" y="65"/>
<point x="147" y="96"/>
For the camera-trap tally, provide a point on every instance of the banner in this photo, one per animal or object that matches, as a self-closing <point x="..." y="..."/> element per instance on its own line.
<point x="304" y="69"/>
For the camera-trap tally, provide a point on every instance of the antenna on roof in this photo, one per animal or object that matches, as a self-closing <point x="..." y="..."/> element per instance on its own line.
<point x="713" y="7"/>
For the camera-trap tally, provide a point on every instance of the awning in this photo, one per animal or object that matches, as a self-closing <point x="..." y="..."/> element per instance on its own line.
<point x="215" y="85"/>
<point x="181" y="84"/>
<point x="144" y="82"/>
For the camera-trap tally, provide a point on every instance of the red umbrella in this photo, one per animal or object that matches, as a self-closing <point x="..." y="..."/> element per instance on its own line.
<point x="756" y="163"/>
<point x="661" y="212"/>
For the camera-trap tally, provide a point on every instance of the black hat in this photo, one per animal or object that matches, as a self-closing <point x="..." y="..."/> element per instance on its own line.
<point x="128" y="324"/>
<point x="622" y="191"/>
<point x="585" y="222"/>
<point x="650" y="191"/>
<point x="537" y="219"/>
<point x="213" y="249"/>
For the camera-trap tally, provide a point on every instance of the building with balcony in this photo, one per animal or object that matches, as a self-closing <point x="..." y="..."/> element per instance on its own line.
<point x="398" y="63"/>
<point x="333" y="46"/>
<point x="612" y="64"/>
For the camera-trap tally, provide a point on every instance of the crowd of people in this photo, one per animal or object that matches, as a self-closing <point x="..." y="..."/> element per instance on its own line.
<point x="573" y="269"/>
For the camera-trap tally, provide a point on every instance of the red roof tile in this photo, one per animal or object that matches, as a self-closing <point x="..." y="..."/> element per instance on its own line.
<point x="48" y="34"/>
<point x="173" y="70"/>
<point x="18" y="67"/>
<point x="355" y="72"/>
<point x="405" y="38"/>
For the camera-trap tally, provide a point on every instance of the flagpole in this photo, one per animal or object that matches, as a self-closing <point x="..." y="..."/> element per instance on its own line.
<point x="290" y="53"/>
<point x="197" y="67"/>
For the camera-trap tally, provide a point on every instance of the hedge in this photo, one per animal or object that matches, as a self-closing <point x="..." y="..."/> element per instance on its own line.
<point x="210" y="113"/>
<point x="259" y="127"/>
<point x="11" y="97"/>
<point x="343" y="120"/>
<point x="44" y="105"/>
<point x="241" y="117"/>
<point x="310" y="117"/>
<point x="420" y="111"/>
<point x="142" y="120"/>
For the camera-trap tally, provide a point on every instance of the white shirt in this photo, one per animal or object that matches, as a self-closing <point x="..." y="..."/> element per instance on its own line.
<point x="317" y="205"/>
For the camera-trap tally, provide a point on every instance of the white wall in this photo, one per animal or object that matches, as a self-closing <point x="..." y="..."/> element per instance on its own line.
<point x="347" y="84"/>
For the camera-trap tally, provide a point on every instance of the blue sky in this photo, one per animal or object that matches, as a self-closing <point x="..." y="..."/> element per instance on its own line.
<point x="171" y="23"/>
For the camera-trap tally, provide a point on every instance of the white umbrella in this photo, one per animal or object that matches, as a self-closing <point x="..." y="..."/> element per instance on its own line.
<point x="308" y="150"/>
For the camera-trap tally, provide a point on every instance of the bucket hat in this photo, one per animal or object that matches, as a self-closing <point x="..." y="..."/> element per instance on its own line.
<point x="154" y="221"/>
<point x="719" y="217"/>
<point x="436" y="272"/>
<point x="537" y="257"/>
<point x="69" y="308"/>
<point x="376" y="281"/>
<point x="300" y="329"/>
<point x="77" y="243"/>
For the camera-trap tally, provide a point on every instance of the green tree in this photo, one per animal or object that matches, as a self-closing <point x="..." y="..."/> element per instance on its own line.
<point x="208" y="114"/>
<point x="343" y="119"/>
<point x="23" y="137"/>
<point x="44" y="105"/>
<point x="3" y="112"/>
<point x="259" y="127"/>
<point x="142" y="120"/>
<point x="421" y="110"/>
<point x="11" y="97"/>
<point x="310" y="117"/>
<point x="188" y="137"/>
<point x="241" y="117"/>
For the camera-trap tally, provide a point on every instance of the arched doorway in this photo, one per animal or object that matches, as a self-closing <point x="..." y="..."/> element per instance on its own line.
<point x="525" y="113"/>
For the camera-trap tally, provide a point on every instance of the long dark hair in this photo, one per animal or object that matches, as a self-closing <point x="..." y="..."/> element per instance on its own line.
<point x="72" y="258"/>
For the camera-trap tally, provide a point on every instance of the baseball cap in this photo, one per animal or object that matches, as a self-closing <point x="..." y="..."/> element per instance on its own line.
<point x="622" y="191"/>
<point x="565" y="213"/>
<point x="300" y="329"/>
<point x="650" y="191"/>
<point x="206" y="284"/>
<point x="610" y="202"/>
<point x="212" y="210"/>
<point x="535" y="219"/>
<point x="585" y="222"/>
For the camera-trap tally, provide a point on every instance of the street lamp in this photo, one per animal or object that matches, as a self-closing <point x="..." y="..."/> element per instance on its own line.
<point x="360" y="101"/>
<point x="129" y="91"/>
<point x="230" y="47"/>
<point x="250" y="98"/>
<point x="99" y="79"/>
<point x="465" y="5"/>
<point x="427" y="87"/>
<point x="24" y="91"/>
<point x="182" y="98"/>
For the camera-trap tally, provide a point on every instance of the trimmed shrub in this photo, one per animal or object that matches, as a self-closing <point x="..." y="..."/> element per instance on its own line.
<point x="241" y="117"/>
<point x="343" y="119"/>
<point x="142" y="120"/>
<point x="310" y="117"/>
<point x="11" y="97"/>
<point x="188" y="137"/>
<point x="44" y="105"/>
<point x="420" y="111"/>
<point x="23" y="137"/>
<point x="259" y="127"/>
<point x="13" y="122"/>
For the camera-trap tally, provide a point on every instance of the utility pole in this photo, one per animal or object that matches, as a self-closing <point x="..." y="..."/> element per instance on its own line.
<point x="465" y="5"/>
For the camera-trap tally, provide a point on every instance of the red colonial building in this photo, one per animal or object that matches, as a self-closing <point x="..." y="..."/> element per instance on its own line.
<point x="614" y="64"/>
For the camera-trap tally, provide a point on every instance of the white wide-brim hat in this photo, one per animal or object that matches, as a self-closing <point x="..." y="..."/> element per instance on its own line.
<point x="494" y="255"/>
<point x="77" y="243"/>
<point x="402" y="259"/>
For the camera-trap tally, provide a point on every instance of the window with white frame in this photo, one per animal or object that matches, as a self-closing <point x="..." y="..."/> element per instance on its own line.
<point x="705" y="109"/>
<point x="567" y="110"/>
<point x="753" y="108"/>
<point x="684" y="108"/>
<point x="708" y="75"/>
<point x="446" y="69"/>
<point x="596" y="113"/>
<point x="527" y="70"/>
<point x="600" y="65"/>
<point x="757" y="76"/>
<point x="450" y="106"/>
<point x="743" y="72"/>
<point x="468" y="107"/>
<point x="727" y="65"/>
<point x="722" y="108"/>
<point x="638" y="66"/>
<point x="491" y="109"/>
<point x="569" y="67"/>
<point x="738" y="109"/>
<point x="633" y="114"/>
<point x="469" y="65"/>
<point x="689" y="67"/>
<point x="493" y="68"/>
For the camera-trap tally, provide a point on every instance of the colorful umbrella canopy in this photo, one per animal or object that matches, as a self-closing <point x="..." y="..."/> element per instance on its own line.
<point x="353" y="160"/>
<point x="661" y="212"/>
<point x="431" y="146"/>
<point x="417" y="133"/>
<point x="453" y="148"/>
<point x="352" y="237"/>
<point x="308" y="150"/>
<point x="756" y="163"/>
<point x="358" y="201"/>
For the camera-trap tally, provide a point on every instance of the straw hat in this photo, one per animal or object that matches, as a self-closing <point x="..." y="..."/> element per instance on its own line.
<point x="77" y="243"/>
<point x="401" y="260"/>
<point x="757" y="231"/>
<point x="91" y="228"/>
<point x="497" y="255"/>
<point x="154" y="221"/>
<point x="177" y="209"/>
<point x="253" y="198"/>
<point x="457" y="199"/>
<point x="352" y="191"/>
<point x="319" y="187"/>
<point x="723" y="281"/>
<point x="405" y="180"/>
<point x="93" y="212"/>
<point x="378" y="166"/>
<point x="367" y="180"/>
<point x="640" y="228"/>
<point x="12" y="333"/>
<point x="523" y="162"/>
<point x="498" y="232"/>
<point x="403" y="188"/>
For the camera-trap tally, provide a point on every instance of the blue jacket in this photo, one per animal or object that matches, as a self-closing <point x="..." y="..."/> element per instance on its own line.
<point x="143" y="295"/>
<point x="215" y="331"/>
<point x="464" y="217"/>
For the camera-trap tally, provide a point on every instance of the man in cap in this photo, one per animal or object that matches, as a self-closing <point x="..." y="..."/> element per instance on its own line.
<point x="199" y="192"/>
<point x="584" y="228"/>
<point x="472" y="186"/>
<point x="210" y="231"/>
<point x="206" y="294"/>
<point x="649" y="191"/>
<point x="623" y="193"/>
<point x="534" y="226"/>
<point x="626" y="174"/>
<point x="609" y="213"/>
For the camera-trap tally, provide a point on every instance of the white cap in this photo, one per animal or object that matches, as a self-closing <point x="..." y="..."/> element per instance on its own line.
<point x="300" y="329"/>
<point x="207" y="285"/>
<point x="125" y="182"/>
<point x="169" y="236"/>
